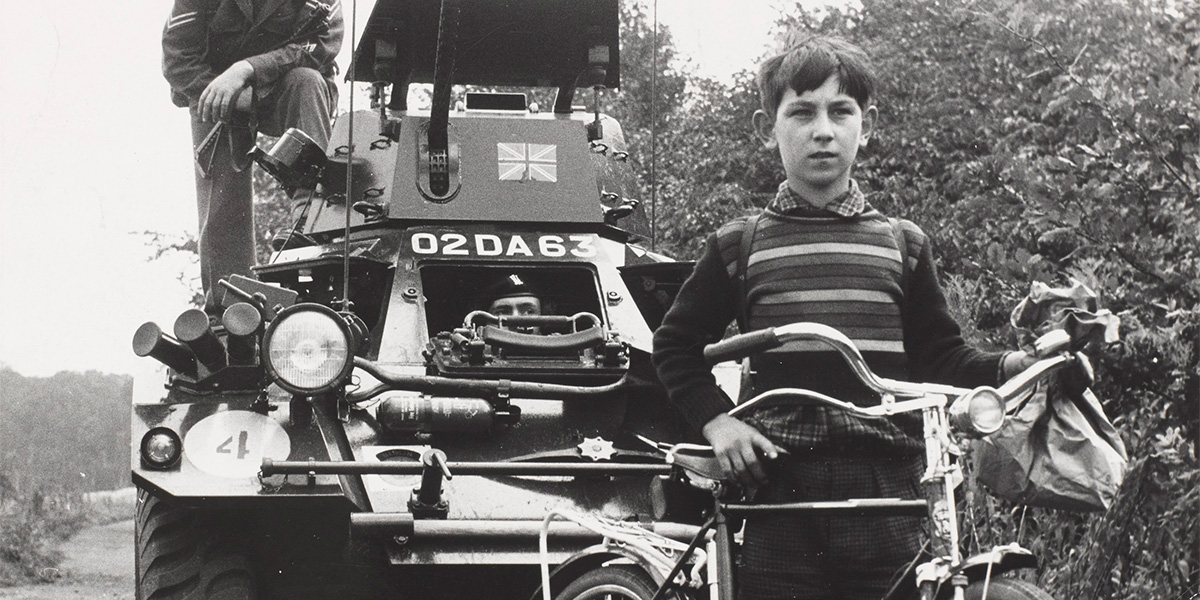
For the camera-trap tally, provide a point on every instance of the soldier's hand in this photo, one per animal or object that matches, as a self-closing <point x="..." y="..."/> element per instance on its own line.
<point x="217" y="100"/>
<point x="740" y="449"/>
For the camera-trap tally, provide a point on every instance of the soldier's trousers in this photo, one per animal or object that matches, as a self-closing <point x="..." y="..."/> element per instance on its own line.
<point x="224" y="195"/>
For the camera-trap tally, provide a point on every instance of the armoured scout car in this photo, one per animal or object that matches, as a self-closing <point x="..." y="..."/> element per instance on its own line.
<point x="358" y="423"/>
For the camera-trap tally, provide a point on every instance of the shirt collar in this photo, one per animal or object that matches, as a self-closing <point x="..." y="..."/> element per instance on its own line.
<point x="849" y="204"/>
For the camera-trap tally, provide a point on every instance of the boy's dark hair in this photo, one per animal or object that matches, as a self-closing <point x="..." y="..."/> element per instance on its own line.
<point x="807" y="61"/>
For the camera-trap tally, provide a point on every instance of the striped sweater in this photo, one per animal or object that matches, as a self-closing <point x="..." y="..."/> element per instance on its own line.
<point x="844" y="272"/>
<point x="838" y="272"/>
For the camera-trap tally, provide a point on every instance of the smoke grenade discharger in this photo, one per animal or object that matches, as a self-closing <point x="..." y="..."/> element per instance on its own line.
<point x="192" y="328"/>
<point x="150" y="341"/>
<point x="244" y="323"/>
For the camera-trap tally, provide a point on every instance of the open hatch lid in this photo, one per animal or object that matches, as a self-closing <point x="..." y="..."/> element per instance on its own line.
<point x="520" y="43"/>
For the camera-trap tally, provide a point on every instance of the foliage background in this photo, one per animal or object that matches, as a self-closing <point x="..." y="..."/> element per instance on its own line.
<point x="60" y="437"/>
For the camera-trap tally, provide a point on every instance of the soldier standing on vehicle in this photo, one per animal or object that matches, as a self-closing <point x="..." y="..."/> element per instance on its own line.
<point x="241" y="67"/>
<point x="820" y="253"/>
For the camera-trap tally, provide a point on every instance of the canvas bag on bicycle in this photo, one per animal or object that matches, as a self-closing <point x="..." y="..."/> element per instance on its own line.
<point x="1057" y="449"/>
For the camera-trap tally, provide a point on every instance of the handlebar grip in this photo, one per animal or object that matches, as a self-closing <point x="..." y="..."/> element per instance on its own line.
<point x="1051" y="343"/>
<point x="741" y="346"/>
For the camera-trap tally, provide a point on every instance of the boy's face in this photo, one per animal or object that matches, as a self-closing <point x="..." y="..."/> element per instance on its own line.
<point x="818" y="134"/>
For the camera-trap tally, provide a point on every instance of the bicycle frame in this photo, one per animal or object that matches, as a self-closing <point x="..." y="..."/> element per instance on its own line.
<point x="938" y="484"/>
<point x="942" y="408"/>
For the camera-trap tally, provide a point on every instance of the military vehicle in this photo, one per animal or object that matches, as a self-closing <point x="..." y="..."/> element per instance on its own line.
<point x="358" y="424"/>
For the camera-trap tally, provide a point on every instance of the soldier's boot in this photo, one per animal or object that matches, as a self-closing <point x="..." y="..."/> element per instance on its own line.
<point x="292" y="235"/>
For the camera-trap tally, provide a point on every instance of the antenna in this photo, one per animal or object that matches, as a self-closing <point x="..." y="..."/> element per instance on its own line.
<point x="654" y="134"/>
<point x="349" y="162"/>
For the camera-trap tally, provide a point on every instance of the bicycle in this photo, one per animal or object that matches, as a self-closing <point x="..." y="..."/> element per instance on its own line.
<point x="658" y="567"/>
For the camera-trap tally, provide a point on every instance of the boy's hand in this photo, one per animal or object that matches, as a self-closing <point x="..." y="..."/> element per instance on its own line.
<point x="1015" y="362"/>
<point x="216" y="101"/>
<point x="739" y="447"/>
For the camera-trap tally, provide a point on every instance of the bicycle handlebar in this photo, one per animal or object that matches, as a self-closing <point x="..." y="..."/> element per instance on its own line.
<point x="1011" y="392"/>
<point x="745" y="344"/>
<point x="912" y="396"/>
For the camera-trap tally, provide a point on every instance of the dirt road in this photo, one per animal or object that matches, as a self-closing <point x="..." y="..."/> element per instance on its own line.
<point x="98" y="564"/>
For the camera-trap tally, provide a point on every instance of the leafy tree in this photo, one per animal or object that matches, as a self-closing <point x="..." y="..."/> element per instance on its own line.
<point x="66" y="433"/>
<point x="714" y="168"/>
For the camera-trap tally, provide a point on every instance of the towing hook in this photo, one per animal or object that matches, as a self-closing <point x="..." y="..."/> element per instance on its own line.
<point x="426" y="501"/>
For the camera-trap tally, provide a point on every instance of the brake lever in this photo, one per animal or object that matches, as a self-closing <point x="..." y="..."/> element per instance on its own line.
<point x="661" y="447"/>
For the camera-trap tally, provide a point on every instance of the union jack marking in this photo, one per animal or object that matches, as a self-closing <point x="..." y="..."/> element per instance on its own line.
<point x="527" y="162"/>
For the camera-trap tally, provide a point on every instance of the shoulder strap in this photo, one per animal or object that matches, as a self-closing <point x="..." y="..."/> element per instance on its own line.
<point x="747" y="241"/>
<point x="902" y="243"/>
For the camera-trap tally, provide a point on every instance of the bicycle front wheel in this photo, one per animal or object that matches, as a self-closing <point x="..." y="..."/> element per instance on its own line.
<point x="1006" y="589"/>
<point x="611" y="583"/>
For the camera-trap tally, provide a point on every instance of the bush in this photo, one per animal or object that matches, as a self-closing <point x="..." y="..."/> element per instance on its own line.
<point x="31" y="525"/>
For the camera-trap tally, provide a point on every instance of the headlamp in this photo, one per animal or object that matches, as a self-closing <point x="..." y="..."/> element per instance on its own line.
<point x="160" y="448"/>
<point x="978" y="413"/>
<point x="308" y="349"/>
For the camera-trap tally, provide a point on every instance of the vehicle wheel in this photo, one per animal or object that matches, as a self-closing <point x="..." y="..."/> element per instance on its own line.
<point x="1007" y="589"/>
<point x="182" y="553"/>
<point x="610" y="583"/>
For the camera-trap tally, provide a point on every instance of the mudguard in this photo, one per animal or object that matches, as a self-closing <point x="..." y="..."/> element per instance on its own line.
<point x="594" y="557"/>
<point x="1000" y="559"/>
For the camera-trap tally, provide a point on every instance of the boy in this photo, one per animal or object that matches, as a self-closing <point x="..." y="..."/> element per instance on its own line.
<point x="819" y="253"/>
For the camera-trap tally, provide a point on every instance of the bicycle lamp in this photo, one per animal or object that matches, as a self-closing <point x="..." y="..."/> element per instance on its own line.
<point x="308" y="349"/>
<point x="979" y="413"/>
<point x="160" y="448"/>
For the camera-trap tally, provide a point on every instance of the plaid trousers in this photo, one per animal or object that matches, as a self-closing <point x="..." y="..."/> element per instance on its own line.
<point x="826" y="558"/>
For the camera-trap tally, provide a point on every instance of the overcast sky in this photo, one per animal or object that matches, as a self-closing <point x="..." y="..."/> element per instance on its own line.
<point x="92" y="151"/>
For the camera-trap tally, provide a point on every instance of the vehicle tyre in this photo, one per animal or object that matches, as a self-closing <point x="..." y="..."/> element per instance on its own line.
<point x="1007" y="589"/>
<point x="185" y="554"/>
<point x="610" y="583"/>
